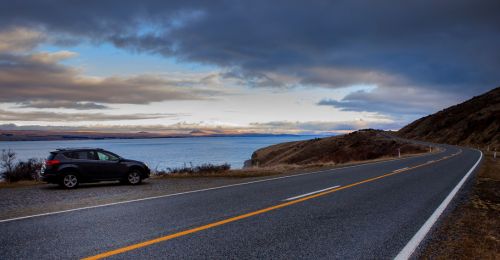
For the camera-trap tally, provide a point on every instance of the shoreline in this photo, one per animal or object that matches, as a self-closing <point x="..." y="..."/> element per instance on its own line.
<point x="76" y="138"/>
<point x="242" y="173"/>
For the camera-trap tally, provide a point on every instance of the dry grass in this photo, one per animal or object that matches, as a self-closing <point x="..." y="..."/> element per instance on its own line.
<point x="18" y="184"/>
<point x="472" y="230"/>
<point x="289" y="169"/>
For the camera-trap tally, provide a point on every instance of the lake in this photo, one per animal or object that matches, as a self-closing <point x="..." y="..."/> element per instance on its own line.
<point x="162" y="153"/>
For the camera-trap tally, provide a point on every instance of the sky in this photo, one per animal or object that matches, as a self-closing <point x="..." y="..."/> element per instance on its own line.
<point x="300" y="67"/>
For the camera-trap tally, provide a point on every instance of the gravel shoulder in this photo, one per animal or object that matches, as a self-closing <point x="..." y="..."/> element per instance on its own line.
<point x="40" y="198"/>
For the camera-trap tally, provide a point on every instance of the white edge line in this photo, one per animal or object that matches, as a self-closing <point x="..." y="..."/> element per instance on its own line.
<point x="201" y="190"/>
<point x="415" y="241"/>
<point x="311" y="193"/>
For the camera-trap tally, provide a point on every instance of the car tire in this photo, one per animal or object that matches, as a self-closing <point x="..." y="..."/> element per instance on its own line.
<point x="134" y="177"/>
<point x="69" y="181"/>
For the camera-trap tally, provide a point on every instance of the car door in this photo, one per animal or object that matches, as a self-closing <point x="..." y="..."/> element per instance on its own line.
<point x="85" y="161"/>
<point x="108" y="165"/>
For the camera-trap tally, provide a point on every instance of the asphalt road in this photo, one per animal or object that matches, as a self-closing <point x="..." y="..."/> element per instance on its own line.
<point x="366" y="211"/>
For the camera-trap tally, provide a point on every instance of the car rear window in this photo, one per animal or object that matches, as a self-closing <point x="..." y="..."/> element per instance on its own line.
<point x="51" y="156"/>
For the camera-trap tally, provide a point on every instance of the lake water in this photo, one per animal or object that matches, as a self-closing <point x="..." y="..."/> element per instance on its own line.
<point x="162" y="153"/>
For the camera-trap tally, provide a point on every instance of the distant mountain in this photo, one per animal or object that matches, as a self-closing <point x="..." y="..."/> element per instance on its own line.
<point x="473" y="122"/>
<point x="51" y="135"/>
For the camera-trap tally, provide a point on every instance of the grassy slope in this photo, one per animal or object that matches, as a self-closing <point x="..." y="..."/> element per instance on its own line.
<point x="474" y="122"/>
<point x="357" y="146"/>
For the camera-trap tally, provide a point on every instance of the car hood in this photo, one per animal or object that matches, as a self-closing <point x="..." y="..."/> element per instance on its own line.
<point x="132" y="161"/>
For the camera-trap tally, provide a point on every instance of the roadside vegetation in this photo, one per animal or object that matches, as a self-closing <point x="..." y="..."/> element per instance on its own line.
<point x="472" y="229"/>
<point x="14" y="171"/>
<point x="212" y="170"/>
<point x="204" y="169"/>
<point x="224" y="170"/>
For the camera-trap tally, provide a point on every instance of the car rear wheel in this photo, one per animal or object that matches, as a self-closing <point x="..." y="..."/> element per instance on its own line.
<point x="69" y="181"/>
<point x="134" y="177"/>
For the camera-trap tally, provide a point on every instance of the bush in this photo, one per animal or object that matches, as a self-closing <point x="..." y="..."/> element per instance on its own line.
<point x="7" y="160"/>
<point x="206" y="168"/>
<point x="27" y="170"/>
<point x="24" y="170"/>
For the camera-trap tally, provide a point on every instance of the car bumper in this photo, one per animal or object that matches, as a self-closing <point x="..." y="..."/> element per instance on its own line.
<point x="49" y="178"/>
<point x="147" y="172"/>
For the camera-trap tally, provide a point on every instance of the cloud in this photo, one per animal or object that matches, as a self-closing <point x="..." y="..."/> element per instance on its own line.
<point x="38" y="80"/>
<point x="449" y="46"/>
<point x="322" y="126"/>
<point x="19" y="39"/>
<point x="393" y="101"/>
<point x="344" y="77"/>
<point x="42" y="116"/>
<point x="62" y="104"/>
<point x="276" y="127"/>
<point x="50" y="58"/>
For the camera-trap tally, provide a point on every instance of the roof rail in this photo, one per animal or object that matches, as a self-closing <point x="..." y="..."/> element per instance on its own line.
<point x="78" y="148"/>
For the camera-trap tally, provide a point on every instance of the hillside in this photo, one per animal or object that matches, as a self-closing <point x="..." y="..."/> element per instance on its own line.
<point x="357" y="146"/>
<point x="475" y="122"/>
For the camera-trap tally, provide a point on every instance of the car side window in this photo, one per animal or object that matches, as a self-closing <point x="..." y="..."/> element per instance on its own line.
<point x="81" y="155"/>
<point x="91" y="155"/>
<point x="106" y="157"/>
<point x="71" y="155"/>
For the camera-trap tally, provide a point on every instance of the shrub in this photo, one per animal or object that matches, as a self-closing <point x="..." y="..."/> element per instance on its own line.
<point x="7" y="160"/>
<point x="206" y="168"/>
<point x="24" y="170"/>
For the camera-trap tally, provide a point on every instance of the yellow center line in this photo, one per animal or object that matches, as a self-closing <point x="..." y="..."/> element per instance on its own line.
<point x="250" y="214"/>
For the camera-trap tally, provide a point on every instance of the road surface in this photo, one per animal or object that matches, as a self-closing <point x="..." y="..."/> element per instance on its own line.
<point x="365" y="211"/>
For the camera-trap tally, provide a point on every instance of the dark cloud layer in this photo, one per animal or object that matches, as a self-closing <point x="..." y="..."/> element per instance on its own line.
<point x="44" y="116"/>
<point x="448" y="46"/>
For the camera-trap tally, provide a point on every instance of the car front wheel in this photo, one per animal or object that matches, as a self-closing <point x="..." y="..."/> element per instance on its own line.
<point x="134" y="177"/>
<point x="69" y="181"/>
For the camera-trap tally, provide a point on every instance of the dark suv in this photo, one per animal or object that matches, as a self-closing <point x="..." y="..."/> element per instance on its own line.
<point x="72" y="166"/>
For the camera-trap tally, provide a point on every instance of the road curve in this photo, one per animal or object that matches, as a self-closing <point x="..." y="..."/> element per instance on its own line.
<point x="366" y="211"/>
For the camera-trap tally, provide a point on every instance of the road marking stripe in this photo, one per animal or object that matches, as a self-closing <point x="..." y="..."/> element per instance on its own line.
<point x="311" y="193"/>
<point x="233" y="219"/>
<point x="402" y="169"/>
<point x="201" y="190"/>
<point x="415" y="241"/>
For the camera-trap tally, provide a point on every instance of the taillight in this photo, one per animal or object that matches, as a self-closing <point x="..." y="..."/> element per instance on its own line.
<point x="52" y="162"/>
